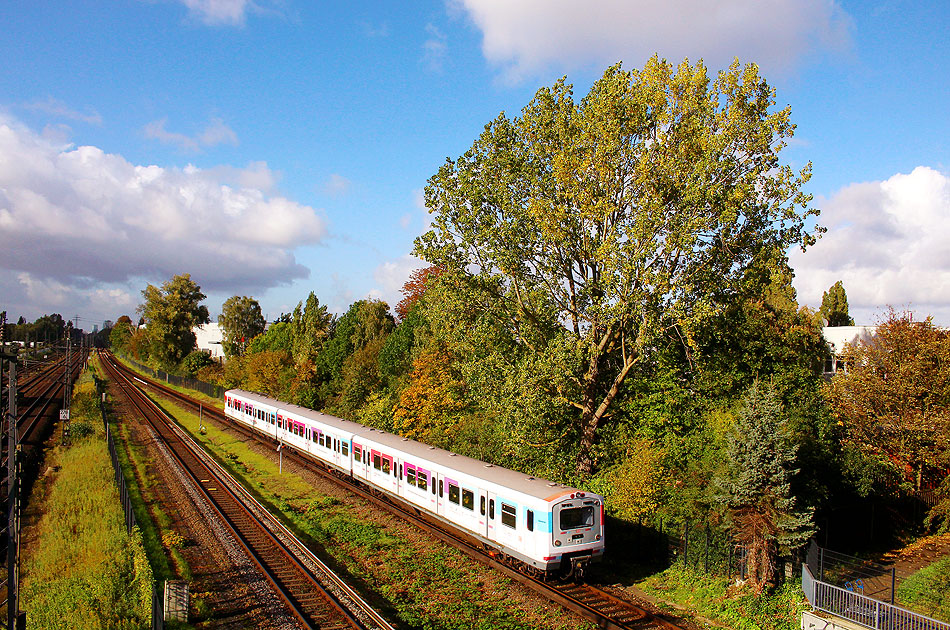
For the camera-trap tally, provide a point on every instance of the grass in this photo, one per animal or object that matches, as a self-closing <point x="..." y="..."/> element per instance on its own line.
<point x="86" y="571"/>
<point x="720" y="600"/>
<point x="928" y="590"/>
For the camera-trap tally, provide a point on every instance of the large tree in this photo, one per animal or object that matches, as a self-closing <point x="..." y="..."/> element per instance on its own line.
<point x="894" y="397"/>
<point x="619" y="217"/>
<point x="171" y="314"/>
<point x="757" y="489"/>
<point x="240" y="320"/>
<point x="834" y="306"/>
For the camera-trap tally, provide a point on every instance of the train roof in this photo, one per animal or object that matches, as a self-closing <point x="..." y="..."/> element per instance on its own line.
<point x="527" y="484"/>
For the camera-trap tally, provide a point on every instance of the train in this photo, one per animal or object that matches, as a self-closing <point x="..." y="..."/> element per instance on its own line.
<point x="542" y="527"/>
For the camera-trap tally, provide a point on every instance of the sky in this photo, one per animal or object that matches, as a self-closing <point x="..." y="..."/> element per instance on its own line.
<point x="272" y="148"/>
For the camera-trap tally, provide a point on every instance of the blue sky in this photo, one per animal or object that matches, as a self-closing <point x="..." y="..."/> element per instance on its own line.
<point x="275" y="148"/>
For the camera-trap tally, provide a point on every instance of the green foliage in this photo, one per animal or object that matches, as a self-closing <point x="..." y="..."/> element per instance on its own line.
<point x="196" y="360"/>
<point x="928" y="591"/>
<point x="310" y="326"/>
<point x="279" y="337"/>
<point x="834" y="306"/>
<point x="171" y="313"/>
<point x="622" y="216"/>
<point x="120" y="335"/>
<point x="757" y="484"/>
<point x="737" y="608"/>
<point x="240" y="320"/>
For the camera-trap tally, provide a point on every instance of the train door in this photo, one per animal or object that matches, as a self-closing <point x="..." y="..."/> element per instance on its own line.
<point x="490" y="518"/>
<point x="439" y="480"/>
<point x="483" y="512"/>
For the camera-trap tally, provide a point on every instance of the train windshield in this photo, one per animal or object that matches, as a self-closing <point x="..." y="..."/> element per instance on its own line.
<point x="575" y="518"/>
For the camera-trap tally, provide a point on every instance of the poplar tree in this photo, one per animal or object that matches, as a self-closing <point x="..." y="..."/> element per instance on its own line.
<point x="618" y="218"/>
<point x="834" y="306"/>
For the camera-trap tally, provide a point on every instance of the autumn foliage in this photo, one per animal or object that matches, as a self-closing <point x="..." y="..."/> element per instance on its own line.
<point x="414" y="288"/>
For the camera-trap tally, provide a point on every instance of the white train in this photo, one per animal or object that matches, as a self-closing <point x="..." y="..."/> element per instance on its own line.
<point x="543" y="526"/>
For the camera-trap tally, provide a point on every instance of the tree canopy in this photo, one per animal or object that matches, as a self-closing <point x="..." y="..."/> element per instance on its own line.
<point x="240" y="320"/>
<point x="171" y="313"/>
<point x="894" y="397"/>
<point x="620" y="217"/>
<point x="834" y="306"/>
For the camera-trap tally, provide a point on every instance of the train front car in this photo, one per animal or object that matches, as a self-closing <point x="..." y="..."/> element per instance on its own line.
<point x="577" y="532"/>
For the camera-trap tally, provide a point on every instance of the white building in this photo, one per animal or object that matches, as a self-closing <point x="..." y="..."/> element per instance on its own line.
<point x="837" y="337"/>
<point x="208" y="338"/>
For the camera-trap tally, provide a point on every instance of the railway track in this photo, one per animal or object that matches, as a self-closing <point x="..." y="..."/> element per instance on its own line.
<point x="605" y="609"/>
<point x="316" y="597"/>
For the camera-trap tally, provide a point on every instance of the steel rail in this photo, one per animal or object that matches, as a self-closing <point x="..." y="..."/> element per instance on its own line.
<point x="274" y="552"/>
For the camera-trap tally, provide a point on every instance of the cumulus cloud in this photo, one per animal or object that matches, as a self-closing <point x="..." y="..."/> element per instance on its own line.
<point x="80" y="217"/>
<point x="212" y="135"/>
<point x="886" y="242"/>
<point x="523" y="38"/>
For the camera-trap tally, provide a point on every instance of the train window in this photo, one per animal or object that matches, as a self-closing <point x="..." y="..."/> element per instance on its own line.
<point x="346" y="449"/>
<point x="453" y="493"/>
<point x="387" y="464"/>
<point x="377" y="462"/>
<point x="320" y="440"/>
<point x="441" y="489"/>
<point x="491" y="509"/>
<point x="357" y="452"/>
<point x="314" y="435"/>
<point x="508" y="515"/>
<point x="423" y="481"/>
<point x="575" y="518"/>
<point x="530" y="522"/>
<point x="468" y="499"/>
<point x="411" y="476"/>
<point x="481" y="505"/>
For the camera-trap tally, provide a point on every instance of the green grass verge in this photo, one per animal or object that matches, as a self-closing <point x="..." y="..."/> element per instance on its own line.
<point x="86" y="571"/>
<point x="928" y="591"/>
<point x="718" y="599"/>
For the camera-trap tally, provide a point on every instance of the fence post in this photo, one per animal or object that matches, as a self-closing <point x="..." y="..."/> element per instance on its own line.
<point x="821" y="564"/>
<point x="893" y="580"/>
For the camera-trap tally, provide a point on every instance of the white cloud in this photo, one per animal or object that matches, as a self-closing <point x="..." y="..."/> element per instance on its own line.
<point x="81" y="217"/>
<point x="886" y="242"/>
<point x="213" y="12"/>
<point x="434" y="49"/>
<point x="336" y="185"/>
<point x="214" y="134"/>
<point x="54" y="107"/>
<point x="525" y="37"/>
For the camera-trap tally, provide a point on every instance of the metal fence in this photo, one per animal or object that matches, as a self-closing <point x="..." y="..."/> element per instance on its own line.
<point x="852" y="573"/>
<point x="215" y="391"/>
<point x="117" y="468"/>
<point x="861" y="609"/>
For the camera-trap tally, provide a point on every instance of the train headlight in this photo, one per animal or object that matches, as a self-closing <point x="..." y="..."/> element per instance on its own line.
<point x="597" y="537"/>
<point x="557" y="543"/>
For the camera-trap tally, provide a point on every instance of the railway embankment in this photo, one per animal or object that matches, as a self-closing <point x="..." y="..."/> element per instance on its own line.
<point x="81" y="568"/>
